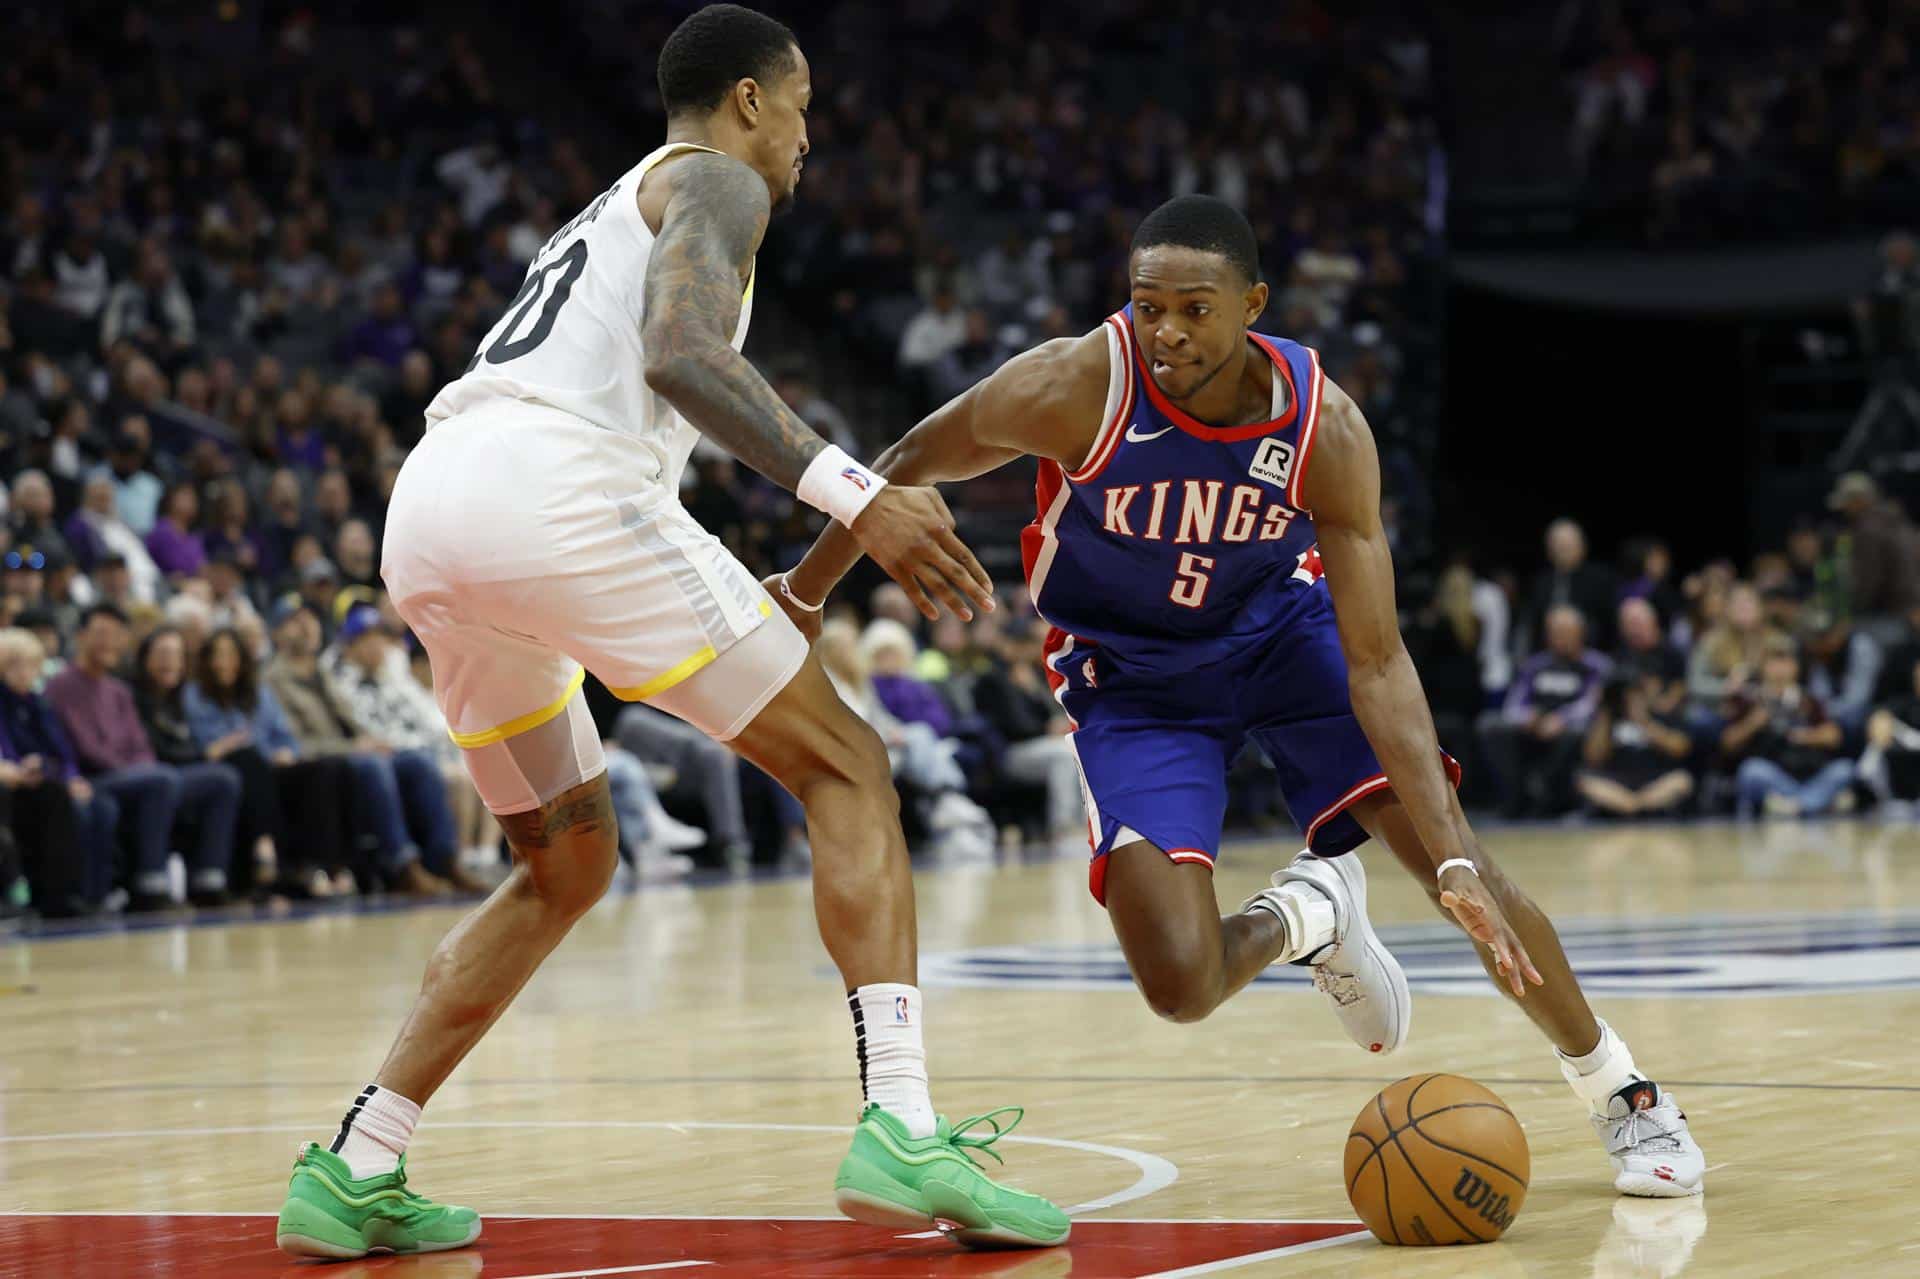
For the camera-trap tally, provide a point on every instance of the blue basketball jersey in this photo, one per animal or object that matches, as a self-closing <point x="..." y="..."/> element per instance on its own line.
<point x="1176" y="545"/>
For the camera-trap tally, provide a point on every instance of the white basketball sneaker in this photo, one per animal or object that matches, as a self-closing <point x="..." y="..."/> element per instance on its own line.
<point x="1653" y="1154"/>
<point x="1353" y="969"/>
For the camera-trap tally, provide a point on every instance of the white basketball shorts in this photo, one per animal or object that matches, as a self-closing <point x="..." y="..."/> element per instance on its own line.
<point x="523" y="545"/>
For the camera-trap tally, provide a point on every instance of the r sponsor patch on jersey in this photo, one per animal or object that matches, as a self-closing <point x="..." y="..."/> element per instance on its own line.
<point x="1273" y="462"/>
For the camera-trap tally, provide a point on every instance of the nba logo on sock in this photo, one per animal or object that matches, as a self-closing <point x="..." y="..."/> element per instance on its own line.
<point x="900" y="1010"/>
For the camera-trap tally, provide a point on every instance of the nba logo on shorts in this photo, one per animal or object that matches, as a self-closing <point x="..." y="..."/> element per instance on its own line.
<point x="900" y="1010"/>
<point x="1273" y="463"/>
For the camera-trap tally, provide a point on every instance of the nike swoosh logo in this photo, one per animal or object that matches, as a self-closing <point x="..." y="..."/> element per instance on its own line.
<point x="1133" y="433"/>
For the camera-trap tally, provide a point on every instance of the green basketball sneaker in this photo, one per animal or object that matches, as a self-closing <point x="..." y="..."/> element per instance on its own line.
<point x="329" y="1214"/>
<point x="891" y="1179"/>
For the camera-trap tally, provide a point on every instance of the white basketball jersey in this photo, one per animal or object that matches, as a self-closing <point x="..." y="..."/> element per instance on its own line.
<point x="570" y="339"/>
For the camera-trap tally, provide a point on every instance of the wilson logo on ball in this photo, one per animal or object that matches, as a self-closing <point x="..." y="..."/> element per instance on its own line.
<point x="1478" y="1195"/>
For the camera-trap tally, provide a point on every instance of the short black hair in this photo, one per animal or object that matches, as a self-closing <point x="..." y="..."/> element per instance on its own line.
<point x="717" y="48"/>
<point x="1206" y="223"/>
<point x="102" y="610"/>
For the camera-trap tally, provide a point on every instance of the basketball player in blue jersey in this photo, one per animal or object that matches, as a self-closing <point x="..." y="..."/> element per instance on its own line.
<point x="1209" y="554"/>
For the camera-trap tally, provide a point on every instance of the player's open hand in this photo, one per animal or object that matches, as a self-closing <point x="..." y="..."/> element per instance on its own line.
<point x="808" y="620"/>
<point x="908" y="531"/>
<point x="1479" y="915"/>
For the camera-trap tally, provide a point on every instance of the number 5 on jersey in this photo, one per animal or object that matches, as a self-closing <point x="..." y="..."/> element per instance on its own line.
<point x="1190" y="582"/>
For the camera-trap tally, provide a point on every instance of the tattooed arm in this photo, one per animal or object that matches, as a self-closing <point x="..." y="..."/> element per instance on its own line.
<point x="713" y="223"/>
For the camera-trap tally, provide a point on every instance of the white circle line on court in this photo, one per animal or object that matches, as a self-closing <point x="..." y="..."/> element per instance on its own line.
<point x="1155" y="1172"/>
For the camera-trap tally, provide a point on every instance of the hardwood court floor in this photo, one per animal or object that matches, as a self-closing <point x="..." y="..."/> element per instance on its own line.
<point x="686" y="1056"/>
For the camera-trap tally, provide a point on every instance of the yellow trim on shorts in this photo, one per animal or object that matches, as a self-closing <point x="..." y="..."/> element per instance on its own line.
<point x="677" y="672"/>
<point x="522" y="723"/>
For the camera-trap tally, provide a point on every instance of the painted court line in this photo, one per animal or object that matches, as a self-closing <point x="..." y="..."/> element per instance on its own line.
<point x="1234" y="1263"/>
<point x="611" y="1270"/>
<point x="1155" y="1173"/>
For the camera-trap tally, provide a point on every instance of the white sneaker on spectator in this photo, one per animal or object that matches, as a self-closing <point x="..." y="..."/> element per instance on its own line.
<point x="1780" y="806"/>
<point x="657" y="863"/>
<point x="671" y="833"/>
<point x="953" y="811"/>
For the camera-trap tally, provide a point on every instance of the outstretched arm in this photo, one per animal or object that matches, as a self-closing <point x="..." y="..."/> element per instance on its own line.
<point x="1343" y="491"/>
<point x="713" y="222"/>
<point x="1045" y="402"/>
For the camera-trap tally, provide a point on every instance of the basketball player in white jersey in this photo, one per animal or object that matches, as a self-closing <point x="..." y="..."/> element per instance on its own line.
<point x="536" y="533"/>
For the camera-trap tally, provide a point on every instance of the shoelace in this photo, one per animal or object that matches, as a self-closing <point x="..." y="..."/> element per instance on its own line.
<point x="1643" y="1130"/>
<point x="956" y="1135"/>
<point x="1342" y="988"/>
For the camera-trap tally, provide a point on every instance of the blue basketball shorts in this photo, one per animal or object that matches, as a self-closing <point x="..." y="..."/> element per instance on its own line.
<point x="1154" y="751"/>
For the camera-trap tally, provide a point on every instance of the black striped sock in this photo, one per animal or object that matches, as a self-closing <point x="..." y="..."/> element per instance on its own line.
<point x="859" y="1038"/>
<point x="360" y="1103"/>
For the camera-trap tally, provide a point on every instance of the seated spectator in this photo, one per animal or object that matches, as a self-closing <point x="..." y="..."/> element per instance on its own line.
<point x="1635" y="755"/>
<point x="293" y="808"/>
<point x="1570" y="580"/>
<point x="1535" y="739"/>
<point x="1648" y="575"/>
<point x="285" y="523"/>
<point x="1012" y="696"/>
<point x="1787" y="744"/>
<point x="1891" y="765"/>
<point x="1842" y="667"/>
<point x="150" y="309"/>
<point x="228" y="530"/>
<point x="923" y="759"/>
<point x="137" y="490"/>
<point x="159" y="679"/>
<point x="175" y="543"/>
<point x="112" y="748"/>
<point x="1444" y="640"/>
<point x="888" y="650"/>
<point x="357" y="555"/>
<point x="228" y="603"/>
<point x="1726" y="660"/>
<point x="372" y="681"/>
<point x="63" y="827"/>
<point x="979" y="353"/>
<point x="1645" y="654"/>
<point x="325" y="729"/>
<point x="96" y="530"/>
<point x="31" y="513"/>
<point x="652" y="842"/>
<point x="703" y="766"/>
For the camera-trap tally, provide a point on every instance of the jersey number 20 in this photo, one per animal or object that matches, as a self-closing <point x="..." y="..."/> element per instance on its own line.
<point x="569" y="265"/>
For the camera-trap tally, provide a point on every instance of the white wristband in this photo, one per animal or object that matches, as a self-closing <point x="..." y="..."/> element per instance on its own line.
<point x="838" y="485"/>
<point x="1451" y="862"/>
<point x="786" y="591"/>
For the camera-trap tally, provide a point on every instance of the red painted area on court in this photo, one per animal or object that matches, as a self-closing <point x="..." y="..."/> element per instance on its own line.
<point x="512" y="1247"/>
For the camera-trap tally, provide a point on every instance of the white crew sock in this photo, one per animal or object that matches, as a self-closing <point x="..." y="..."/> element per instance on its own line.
<point x="375" y="1132"/>
<point x="1306" y="911"/>
<point x="1597" y="1075"/>
<point x="893" y="1060"/>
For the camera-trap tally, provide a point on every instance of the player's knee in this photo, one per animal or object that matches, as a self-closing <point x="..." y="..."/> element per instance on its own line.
<point x="855" y="758"/>
<point x="568" y="849"/>
<point x="1181" y="992"/>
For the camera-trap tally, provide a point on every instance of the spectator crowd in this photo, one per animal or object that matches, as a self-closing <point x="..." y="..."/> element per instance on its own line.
<point x="1694" y="119"/>
<point x="234" y="269"/>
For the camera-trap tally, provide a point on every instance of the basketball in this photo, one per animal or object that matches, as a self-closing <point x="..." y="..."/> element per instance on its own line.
<point x="1437" y="1159"/>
